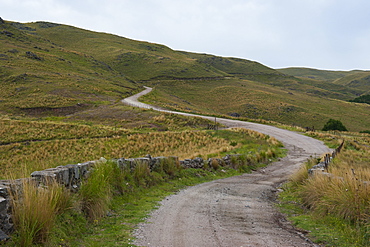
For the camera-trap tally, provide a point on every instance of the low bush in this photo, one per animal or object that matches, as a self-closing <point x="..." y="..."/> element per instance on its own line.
<point x="333" y="124"/>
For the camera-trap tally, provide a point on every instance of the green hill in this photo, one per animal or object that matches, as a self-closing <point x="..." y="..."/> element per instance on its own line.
<point x="323" y="75"/>
<point x="37" y="72"/>
<point x="63" y="70"/>
<point x="354" y="79"/>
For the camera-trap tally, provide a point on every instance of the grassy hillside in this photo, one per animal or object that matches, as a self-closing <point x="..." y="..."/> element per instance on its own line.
<point x="232" y="66"/>
<point x="59" y="70"/>
<point x="134" y="59"/>
<point x="254" y="100"/>
<point x="37" y="73"/>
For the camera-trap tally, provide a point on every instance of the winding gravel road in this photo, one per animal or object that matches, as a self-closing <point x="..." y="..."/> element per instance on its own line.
<point x="236" y="211"/>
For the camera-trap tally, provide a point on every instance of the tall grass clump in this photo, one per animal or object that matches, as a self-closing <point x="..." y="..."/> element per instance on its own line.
<point x="301" y="175"/>
<point x="337" y="199"/>
<point x="96" y="192"/>
<point x="141" y="173"/>
<point x="35" y="209"/>
<point x="344" y="194"/>
<point x="215" y="164"/>
<point x="170" y="167"/>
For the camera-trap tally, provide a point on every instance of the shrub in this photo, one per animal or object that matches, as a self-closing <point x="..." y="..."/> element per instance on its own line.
<point x="234" y="161"/>
<point x="333" y="124"/>
<point x="362" y="99"/>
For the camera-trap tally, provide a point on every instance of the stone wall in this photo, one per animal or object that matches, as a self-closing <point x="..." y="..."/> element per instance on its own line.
<point x="323" y="165"/>
<point x="71" y="177"/>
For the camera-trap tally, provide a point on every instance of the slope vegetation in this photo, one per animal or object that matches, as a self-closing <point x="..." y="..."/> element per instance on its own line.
<point x="62" y="70"/>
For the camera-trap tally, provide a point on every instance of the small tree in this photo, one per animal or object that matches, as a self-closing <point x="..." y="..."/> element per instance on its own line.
<point x="334" y="125"/>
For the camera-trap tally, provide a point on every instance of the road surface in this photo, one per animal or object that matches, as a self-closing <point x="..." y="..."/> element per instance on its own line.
<point x="236" y="211"/>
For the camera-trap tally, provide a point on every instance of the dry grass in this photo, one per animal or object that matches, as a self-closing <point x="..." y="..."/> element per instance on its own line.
<point x="35" y="210"/>
<point x="13" y="131"/>
<point x="21" y="159"/>
<point x="28" y="146"/>
<point x="345" y="192"/>
<point x="301" y="175"/>
<point x="257" y="135"/>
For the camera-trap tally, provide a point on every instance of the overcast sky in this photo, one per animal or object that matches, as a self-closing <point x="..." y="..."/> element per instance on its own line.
<point x="323" y="34"/>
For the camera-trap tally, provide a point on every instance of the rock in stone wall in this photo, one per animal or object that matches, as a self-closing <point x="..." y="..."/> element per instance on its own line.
<point x="5" y="214"/>
<point x="197" y="163"/>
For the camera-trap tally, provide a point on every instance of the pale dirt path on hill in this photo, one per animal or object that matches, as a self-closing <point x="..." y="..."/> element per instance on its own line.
<point x="236" y="211"/>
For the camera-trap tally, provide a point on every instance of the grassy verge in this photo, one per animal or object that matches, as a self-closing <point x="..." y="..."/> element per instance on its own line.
<point x="132" y="208"/>
<point x="327" y="230"/>
<point x="334" y="209"/>
<point x="109" y="205"/>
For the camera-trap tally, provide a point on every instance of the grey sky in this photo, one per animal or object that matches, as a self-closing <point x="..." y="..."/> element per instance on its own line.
<point x="324" y="34"/>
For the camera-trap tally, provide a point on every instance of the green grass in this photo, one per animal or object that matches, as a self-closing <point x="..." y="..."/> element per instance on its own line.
<point x="96" y="193"/>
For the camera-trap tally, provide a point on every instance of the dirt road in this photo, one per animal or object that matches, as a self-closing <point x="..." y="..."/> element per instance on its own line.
<point x="236" y="211"/>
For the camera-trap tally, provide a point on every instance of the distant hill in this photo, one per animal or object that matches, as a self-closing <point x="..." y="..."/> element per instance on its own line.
<point x="323" y="75"/>
<point x="354" y="79"/>
<point x="359" y="80"/>
<point x="63" y="70"/>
